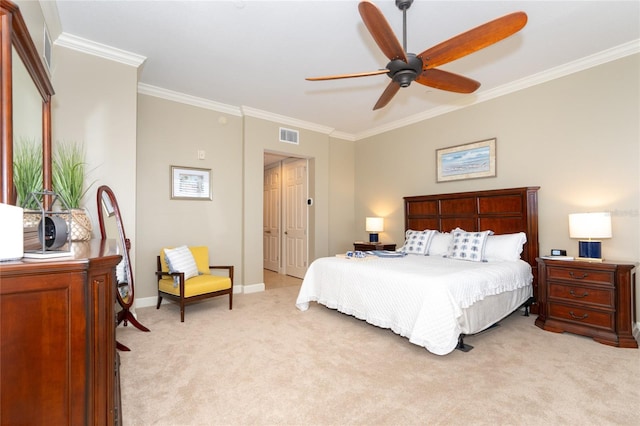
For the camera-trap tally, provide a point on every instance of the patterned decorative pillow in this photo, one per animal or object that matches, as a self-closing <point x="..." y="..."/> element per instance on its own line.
<point x="180" y="259"/>
<point x="417" y="242"/>
<point x="468" y="245"/>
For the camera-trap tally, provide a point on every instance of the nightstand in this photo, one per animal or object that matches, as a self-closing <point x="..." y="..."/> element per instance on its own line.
<point x="365" y="246"/>
<point x="590" y="299"/>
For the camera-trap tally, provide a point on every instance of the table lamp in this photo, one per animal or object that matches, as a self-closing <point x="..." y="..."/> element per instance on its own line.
<point x="588" y="227"/>
<point x="373" y="226"/>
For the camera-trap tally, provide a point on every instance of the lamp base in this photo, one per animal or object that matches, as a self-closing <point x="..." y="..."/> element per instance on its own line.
<point x="590" y="251"/>
<point x="373" y="238"/>
<point x="589" y="259"/>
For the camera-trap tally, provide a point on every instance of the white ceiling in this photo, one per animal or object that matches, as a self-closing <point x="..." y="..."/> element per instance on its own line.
<point x="255" y="55"/>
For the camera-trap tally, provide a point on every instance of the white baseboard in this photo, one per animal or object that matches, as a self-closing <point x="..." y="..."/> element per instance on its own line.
<point x="636" y="332"/>
<point x="145" y="302"/>
<point x="253" y="288"/>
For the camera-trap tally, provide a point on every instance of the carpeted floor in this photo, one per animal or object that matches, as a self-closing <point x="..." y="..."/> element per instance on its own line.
<point x="266" y="363"/>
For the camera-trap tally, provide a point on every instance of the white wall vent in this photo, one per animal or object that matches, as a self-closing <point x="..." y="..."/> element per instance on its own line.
<point x="289" y="136"/>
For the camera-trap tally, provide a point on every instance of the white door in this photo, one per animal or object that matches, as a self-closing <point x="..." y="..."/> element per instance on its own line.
<point x="271" y="219"/>
<point x="295" y="217"/>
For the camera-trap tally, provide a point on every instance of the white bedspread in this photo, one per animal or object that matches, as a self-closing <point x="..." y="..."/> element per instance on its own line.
<point x="418" y="297"/>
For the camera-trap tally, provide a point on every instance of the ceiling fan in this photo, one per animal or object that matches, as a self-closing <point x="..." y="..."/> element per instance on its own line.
<point x="403" y="67"/>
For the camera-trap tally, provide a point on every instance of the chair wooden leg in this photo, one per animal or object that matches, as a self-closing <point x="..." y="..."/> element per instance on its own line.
<point x="159" y="301"/>
<point x="181" y="310"/>
<point x="231" y="300"/>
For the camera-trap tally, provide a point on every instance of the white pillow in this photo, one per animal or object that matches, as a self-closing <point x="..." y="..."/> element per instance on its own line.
<point x="417" y="242"/>
<point x="180" y="259"/>
<point x="440" y="244"/>
<point x="468" y="245"/>
<point x="504" y="247"/>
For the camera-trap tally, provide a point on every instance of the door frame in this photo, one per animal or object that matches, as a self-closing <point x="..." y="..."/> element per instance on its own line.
<point x="284" y="157"/>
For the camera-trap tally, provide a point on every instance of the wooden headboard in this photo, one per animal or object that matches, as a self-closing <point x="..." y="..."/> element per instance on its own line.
<point x="503" y="211"/>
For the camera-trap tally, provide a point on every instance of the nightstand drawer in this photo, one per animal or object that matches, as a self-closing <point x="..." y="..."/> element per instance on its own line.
<point x="582" y="275"/>
<point x="581" y="316"/>
<point x="373" y="246"/>
<point x="583" y="295"/>
<point x="591" y="299"/>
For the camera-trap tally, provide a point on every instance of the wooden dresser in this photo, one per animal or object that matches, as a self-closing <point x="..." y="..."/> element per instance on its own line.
<point x="58" y="362"/>
<point x="591" y="299"/>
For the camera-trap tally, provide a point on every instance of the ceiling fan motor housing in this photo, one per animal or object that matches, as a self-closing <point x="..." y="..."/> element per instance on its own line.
<point x="403" y="72"/>
<point x="403" y="4"/>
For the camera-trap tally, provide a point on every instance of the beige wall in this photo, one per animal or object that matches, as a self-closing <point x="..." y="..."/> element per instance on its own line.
<point x="342" y="226"/>
<point x="577" y="137"/>
<point x="171" y="133"/>
<point x="262" y="135"/>
<point x="95" y="104"/>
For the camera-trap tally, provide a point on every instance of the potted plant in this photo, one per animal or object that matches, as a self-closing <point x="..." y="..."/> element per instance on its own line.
<point x="68" y="182"/>
<point x="27" y="172"/>
<point x="27" y="178"/>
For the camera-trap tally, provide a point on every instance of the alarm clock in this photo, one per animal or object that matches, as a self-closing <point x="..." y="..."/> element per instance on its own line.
<point x="558" y="252"/>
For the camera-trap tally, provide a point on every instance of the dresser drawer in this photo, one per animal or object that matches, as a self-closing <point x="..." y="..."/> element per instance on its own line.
<point x="603" y="297"/>
<point x="581" y="275"/>
<point x="579" y="315"/>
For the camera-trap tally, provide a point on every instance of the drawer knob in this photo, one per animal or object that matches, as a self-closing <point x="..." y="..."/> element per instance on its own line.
<point x="574" y="316"/>
<point x="572" y="275"/>
<point x="573" y="293"/>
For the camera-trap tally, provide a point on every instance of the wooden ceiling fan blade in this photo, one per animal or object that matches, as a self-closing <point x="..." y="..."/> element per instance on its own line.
<point x="473" y="40"/>
<point x="381" y="31"/>
<point x="359" y="74"/>
<point x="449" y="81"/>
<point x="387" y="95"/>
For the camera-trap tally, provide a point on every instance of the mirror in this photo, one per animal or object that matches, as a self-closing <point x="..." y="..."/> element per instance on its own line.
<point x="25" y="62"/>
<point x="27" y="106"/>
<point x="111" y="227"/>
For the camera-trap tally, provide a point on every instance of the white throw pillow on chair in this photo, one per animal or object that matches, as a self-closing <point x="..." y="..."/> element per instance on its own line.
<point x="180" y="259"/>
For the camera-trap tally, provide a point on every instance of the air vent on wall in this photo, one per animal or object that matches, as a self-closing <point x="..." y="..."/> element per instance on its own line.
<point x="289" y="136"/>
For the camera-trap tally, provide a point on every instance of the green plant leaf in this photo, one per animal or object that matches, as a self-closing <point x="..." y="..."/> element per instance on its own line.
<point x="27" y="171"/>
<point x="69" y="173"/>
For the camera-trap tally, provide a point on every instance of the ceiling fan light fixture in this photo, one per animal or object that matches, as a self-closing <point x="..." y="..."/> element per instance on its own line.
<point x="404" y="77"/>
<point x="403" y="72"/>
<point x="405" y="67"/>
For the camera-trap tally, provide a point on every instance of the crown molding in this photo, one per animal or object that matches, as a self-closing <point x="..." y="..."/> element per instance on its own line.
<point x="170" y="95"/>
<point x="265" y="115"/>
<point x="618" y="52"/>
<point x="96" y="49"/>
<point x="107" y="52"/>
<point x="343" y="135"/>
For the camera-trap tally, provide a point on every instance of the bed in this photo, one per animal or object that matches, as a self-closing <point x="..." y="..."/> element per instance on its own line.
<point x="431" y="299"/>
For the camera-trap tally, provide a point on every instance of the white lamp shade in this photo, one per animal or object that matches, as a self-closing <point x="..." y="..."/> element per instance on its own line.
<point x="374" y="224"/>
<point x="590" y="225"/>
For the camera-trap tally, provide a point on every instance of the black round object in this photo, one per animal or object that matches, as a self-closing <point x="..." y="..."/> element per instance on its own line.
<point x="55" y="232"/>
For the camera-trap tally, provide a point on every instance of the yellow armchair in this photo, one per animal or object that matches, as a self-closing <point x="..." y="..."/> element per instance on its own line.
<point x="188" y="285"/>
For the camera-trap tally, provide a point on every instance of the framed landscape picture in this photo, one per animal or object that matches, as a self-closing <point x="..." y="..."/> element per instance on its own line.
<point x="190" y="183"/>
<point x="469" y="161"/>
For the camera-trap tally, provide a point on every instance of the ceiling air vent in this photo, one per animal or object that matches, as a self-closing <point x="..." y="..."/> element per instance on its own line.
<point x="289" y="136"/>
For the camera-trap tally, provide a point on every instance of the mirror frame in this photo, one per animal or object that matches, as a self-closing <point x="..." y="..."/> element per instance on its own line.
<point x="14" y="34"/>
<point x="124" y="314"/>
<point x="123" y="241"/>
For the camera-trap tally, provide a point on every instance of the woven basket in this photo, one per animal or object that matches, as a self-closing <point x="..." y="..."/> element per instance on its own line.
<point x="31" y="220"/>
<point x="80" y="225"/>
